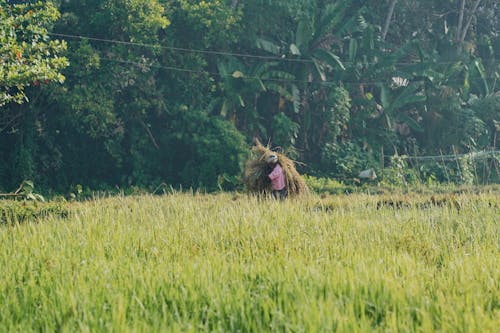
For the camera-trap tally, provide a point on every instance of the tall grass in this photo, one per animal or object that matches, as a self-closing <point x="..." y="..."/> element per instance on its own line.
<point x="190" y="262"/>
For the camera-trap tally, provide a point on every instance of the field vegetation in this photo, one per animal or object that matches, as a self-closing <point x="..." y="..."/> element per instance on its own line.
<point x="230" y="262"/>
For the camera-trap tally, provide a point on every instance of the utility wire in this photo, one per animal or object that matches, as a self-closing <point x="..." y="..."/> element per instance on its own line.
<point x="476" y="155"/>
<point x="223" y="53"/>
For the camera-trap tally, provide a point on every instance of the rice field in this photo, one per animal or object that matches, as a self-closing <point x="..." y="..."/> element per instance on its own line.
<point x="190" y="262"/>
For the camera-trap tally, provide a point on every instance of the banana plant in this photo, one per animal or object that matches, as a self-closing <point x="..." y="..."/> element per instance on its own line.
<point x="314" y="60"/>
<point x="243" y="85"/>
<point x="318" y="40"/>
<point x="396" y="103"/>
<point x="458" y="93"/>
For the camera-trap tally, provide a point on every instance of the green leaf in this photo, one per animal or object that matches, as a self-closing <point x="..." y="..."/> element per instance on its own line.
<point x="329" y="58"/>
<point x="267" y="46"/>
<point x="242" y="102"/>
<point x="385" y="97"/>
<point x="410" y="122"/>
<point x="262" y="85"/>
<point x="319" y="70"/>
<point x="296" y="98"/>
<point x="261" y="68"/>
<point x="40" y="197"/>
<point x="409" y="95"/>
<point x="333" y="15"/>
<point x="237" y="74"/>
<point x="224" y="109"/>
<point x="294" y="49"/>
<point x="280" y="90"/>
<point x="29" y="184"/>
<point x="482" y="73"/>
<point x="353" y="24"/>
<point x="353" y="49"/>
<point x="222" y="67"/>
<point x="303" y="35"/>
<point x="278" y="75"/>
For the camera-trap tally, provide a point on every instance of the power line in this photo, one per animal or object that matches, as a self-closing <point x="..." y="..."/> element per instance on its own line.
<point x="224" y="53"/>
<point x="474" y="155"/>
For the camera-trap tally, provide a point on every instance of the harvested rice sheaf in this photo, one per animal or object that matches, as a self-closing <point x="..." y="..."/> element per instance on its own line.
<point x="256" y="172"/>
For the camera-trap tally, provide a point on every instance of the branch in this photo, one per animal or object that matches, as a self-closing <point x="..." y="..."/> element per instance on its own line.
<point x="153" y="140"/>
<point x="19" y="115"/>
<point x="389" y="18"/>
<point x="14" y="194"/>
<point x="460" y="21"/>
<point x="464" y="33"/>
<point x="11" y="194"/>
<point x="19" y="189"/>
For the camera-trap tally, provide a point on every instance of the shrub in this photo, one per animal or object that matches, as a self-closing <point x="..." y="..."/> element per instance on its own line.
<point x="12" y="212"/>
<point x="327" y="185"/>
<point x="345" y="161"/>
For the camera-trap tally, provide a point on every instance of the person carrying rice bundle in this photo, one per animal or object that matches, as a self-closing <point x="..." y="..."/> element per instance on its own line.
<point x="272" y="173"/>
<point x="277" y="177"/>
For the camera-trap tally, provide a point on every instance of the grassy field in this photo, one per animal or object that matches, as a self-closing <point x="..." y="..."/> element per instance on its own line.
<point x="232" y="263"/>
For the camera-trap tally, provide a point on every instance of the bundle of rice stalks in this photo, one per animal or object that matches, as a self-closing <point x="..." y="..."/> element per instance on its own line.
<point x="257" y="169"/>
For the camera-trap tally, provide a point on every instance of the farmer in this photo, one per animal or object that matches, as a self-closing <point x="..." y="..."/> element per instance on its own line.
<point x="277" y="177"/>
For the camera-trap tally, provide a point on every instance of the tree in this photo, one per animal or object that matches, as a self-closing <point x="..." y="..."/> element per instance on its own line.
<point x="28" y="55"/>
<point x="169" y="90"/>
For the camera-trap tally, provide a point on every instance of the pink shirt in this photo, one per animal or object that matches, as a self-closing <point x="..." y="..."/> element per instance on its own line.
<point x="277" y="178"/>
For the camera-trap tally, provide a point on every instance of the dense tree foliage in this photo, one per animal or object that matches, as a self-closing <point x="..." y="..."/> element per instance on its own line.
<point x="174" y="91"/>
<point x="27" y="56"/>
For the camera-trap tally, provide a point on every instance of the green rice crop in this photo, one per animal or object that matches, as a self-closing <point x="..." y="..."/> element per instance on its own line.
<point x="189" y="262"/>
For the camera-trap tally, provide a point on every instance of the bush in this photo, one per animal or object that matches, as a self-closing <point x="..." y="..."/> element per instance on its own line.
<point x="327" y="185"/>
<point x="13" y="212"/>
<point x="217" y="151"/>
<point x="345" y="161"/>
<point x="399" y="173"/>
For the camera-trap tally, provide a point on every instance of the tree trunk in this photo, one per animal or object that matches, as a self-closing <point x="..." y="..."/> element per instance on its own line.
<point x="464" y="31"/>
<point x="460" y="22"/>
<point x="24" y="161"/>
<point x="388" y="18"/>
